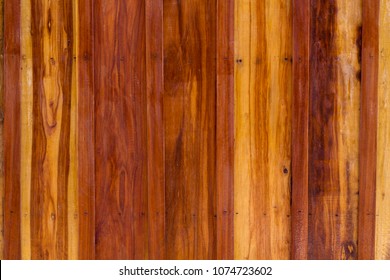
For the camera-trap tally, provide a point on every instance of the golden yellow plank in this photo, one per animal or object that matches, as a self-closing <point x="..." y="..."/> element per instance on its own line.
<point x="382" y="240"/>
<point x="263" y="85"/>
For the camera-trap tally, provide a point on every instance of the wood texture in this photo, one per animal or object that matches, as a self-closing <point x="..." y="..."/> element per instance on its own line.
<point x="225" y="129"/>
<point x="189" y="120"/>
<point x="368" y="130"/>
<point x="334" y="129"/>
<point x="262" y="158"/>
<point x="120" y="129"/>
<point x="300" y="130"/>
<point x="155" y="128"/>
<point x="86" y="129"/>
<point x="12" y="130"/>
<point x="382" y="232"/>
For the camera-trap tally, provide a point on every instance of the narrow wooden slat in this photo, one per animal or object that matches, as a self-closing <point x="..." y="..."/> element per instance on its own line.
<point x="155" y="144"/>
<point x="85" y="129"/>
<point x="263" y="54"/>
<point x="73" y="190"/>
<point x="368" y="130"/>
<point x="300" y="129"/>
<point x="121" y="130"/>
<point x="52" y="77"/>
<point x="12" y="144"/>
<point x="1" y="129"/>
<point x="26" y="75"/>
<point x="225" y="129"/>
<point x="189" y="121"/>
<point x="382" y="228"/>
<point x="334" y="129"/>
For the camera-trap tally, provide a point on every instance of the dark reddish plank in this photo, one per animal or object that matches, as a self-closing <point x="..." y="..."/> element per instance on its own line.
<point x="155" y="126"/>
<point x="86" y="130"/>
<point x="300" y="128"/>
<point x="225" y="129"/>
<point x="120" y="129"/>
<point x="189" y="128"/>
<point x="368" y="130"/>
<point x="12" y="244"/>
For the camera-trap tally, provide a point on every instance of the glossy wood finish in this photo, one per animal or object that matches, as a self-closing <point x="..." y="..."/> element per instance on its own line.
<point x="262" y="155"/>
<point x="300" y="130"/>
<point x="382" y="221"/>
<point x="368" y="130"/>
<point x="334" y="129"/>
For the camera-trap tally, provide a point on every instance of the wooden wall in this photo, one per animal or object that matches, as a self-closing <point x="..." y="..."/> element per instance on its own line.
<point x="194" y="129"/>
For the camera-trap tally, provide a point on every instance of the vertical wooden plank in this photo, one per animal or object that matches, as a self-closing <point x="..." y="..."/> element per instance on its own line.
<point x="334" y="128"/>
<point x="26" y="127"/>
<point x="1" y="130"/>
<point x="263" y="54"/>
<point x="368" y="129"/>
<point x="73" y="203"/>
<point x="52" y="76"/>
<point x="189" y="119"/>
<point x="86" y="129"/>
<point x="300" y="129"/>
<point x="382" y="228"/>
<point x="12" y="144"/>
<point x="225" y="129"/>
<point x="121" y="130"/>
<point x="155" y="126"/>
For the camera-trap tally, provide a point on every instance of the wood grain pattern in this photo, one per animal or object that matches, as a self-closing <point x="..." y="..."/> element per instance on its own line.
<point x="26" y="127"/>
<point x="368" y="130"/>
<point x="334" y="129"/>
<point x="382" y="229"/>
<point x="1" y="129"/>
<point x="121" y="130"/>
<point x="189" y="119"/>
<point x="300" y="130"/>
<point x="263" y="55"/>
<point x="155" y="127"/>
<point x="225" y="129"/>
<point x="52" y="77"/>
<point x="86" y="129"/>
<point x="12" y="130"/>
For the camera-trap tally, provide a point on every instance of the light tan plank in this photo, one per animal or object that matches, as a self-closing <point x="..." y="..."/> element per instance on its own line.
<point x="382" y="240"/>
<point x="263" y="53"/>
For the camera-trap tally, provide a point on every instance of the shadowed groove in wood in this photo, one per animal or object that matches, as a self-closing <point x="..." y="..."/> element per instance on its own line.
<point x="382" y="231"/>
<point x="333" y="129"/>
<point x="262" y="152"/>
<point x="189" y="121"/>
<point x="52" y="76"/>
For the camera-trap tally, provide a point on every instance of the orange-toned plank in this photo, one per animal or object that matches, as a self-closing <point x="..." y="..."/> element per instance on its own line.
<point x="368" y="130"/>
<point x="225" y="129"/>
<point x="155" y="144"/>
<point x="300" y="129"/>
<point x="262" y="159"/>
<point x="382" y="229"/>
<point x="189" y="123"/>
<point x="12" y="144"/>
<point x="52" y="42"/>
<point x="85" y="129"/>
<point x="1" y="130"/>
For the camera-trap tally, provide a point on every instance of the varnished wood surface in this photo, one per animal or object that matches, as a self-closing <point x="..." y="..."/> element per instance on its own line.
<point x="368" y="130"/>
<point x="300" y="129"/>
<point x="197" y="129"/>
<point x="382" y="221"/>
<point x="189" y="123"/>
<point x="334" y="129"/>
<point x="262" y="153"/>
